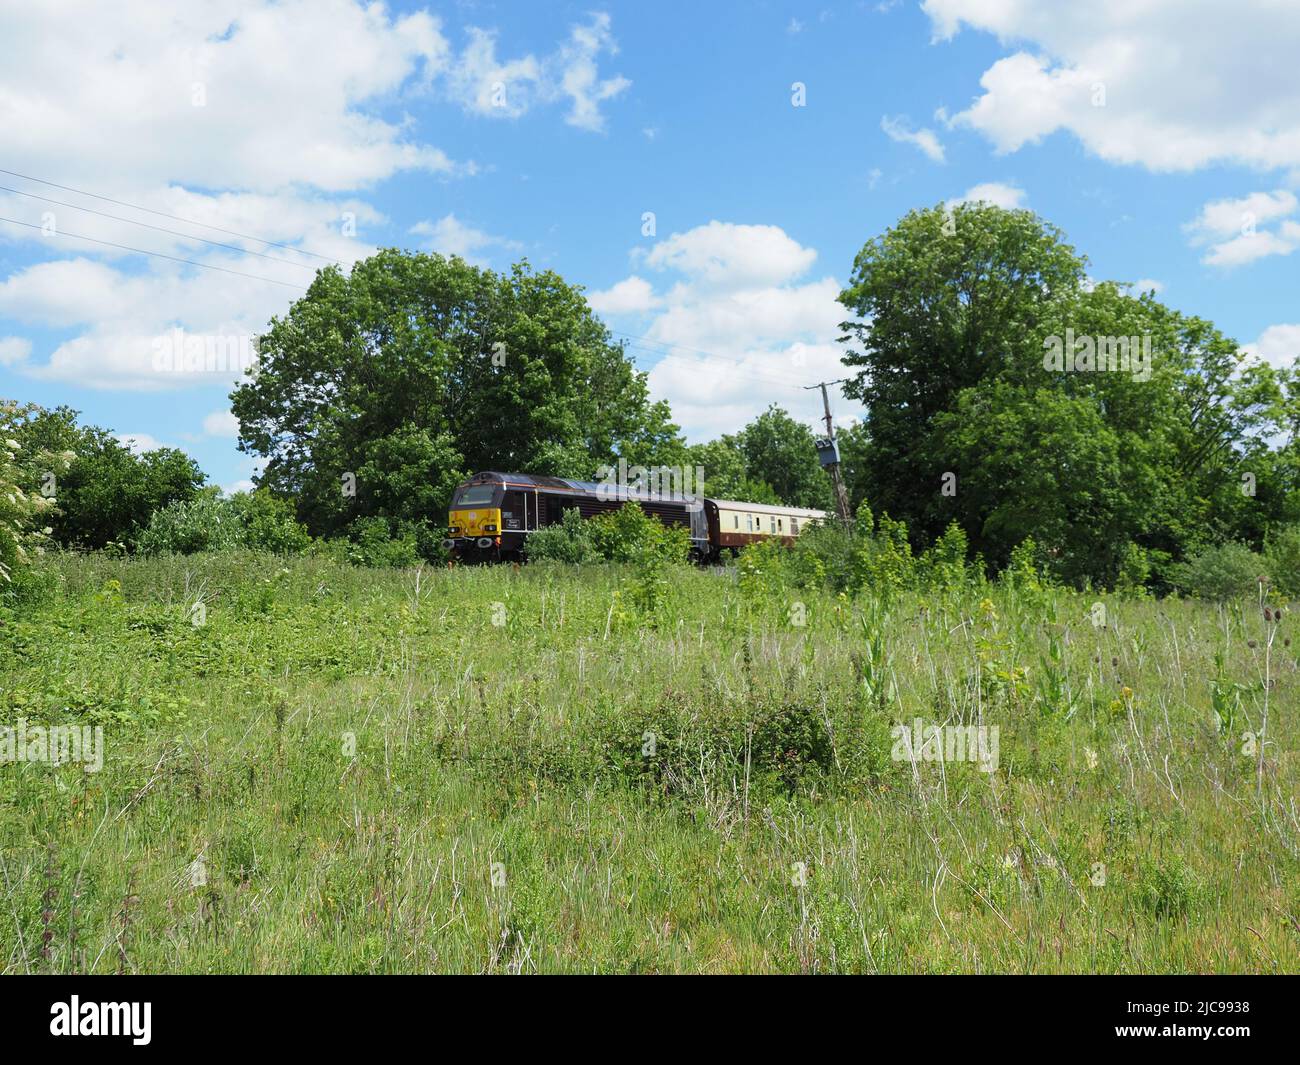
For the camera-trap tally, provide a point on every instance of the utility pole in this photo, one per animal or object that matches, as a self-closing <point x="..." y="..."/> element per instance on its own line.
<point x="828" y="451"/>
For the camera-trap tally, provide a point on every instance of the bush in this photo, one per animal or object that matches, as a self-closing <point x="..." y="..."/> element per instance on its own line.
<point x="269" y="523"/>
<point x="374" y="542"/>
<point x="569" y="540"/>
<point x="1221" y="573"/>
<point x="629" y="534"/>
<point x="22" y="512"/>
<point x="1134" y="571"/>
<point x="823" y="555"/>
<point x="1283" y="554"/>
<point x="206" y="523"/>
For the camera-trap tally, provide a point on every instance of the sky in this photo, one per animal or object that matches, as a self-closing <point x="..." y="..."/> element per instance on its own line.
<point x="707" y="172"/>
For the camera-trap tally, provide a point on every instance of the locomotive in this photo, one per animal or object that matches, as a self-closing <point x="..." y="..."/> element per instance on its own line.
<point x="492" y="515"/>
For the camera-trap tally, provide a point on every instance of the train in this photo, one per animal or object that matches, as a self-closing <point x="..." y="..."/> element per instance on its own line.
<point x="492" y="515"/>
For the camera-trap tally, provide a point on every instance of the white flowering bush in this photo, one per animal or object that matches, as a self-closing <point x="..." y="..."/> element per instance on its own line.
<point x="23" y="504"/>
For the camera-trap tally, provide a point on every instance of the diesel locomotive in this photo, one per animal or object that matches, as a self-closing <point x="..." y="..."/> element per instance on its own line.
<point x="492" y="515"/>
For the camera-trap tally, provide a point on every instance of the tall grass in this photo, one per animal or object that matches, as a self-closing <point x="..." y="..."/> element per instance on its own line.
<point x="344" y="770"/>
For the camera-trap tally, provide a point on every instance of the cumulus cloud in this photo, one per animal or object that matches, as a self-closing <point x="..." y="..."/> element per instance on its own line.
<point x="1236" y="233"/>
<point x="735" y="324"/>
<point x="450" y="236"/>
<point x="225" y="115"/>
<point x="487" y="85"/>
<point x="1000" y="195"/>
<point x="632" y="295"/>
<point x="221" y="423"/>
<point x="1278" y="345"/>
<point x="900" y="130"/>
<point x="1170" y="85"/>
<point x="139" y="443"/>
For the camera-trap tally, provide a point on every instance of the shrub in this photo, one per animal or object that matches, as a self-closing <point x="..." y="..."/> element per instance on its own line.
<point x="22" y="511"/>
<point x="884" y="563"/>
<point x="1283" y="553"/>
<point x="823" y="555"/>
<point x="374" y="542"/>
<point x="1134" y="570"/>
<point x="629" y="534"/>
<point x="206" y="523"/>
<point x="269" y="523"/>
<point x="1228" y="571"/>
<point x="569" y="540"/>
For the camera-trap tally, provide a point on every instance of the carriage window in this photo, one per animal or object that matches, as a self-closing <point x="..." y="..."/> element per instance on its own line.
<point x="794" y="526"/>
<point x="771" y="522"/>
<point x="475" y="495"/>
<point x="736" y="519"/>
<point x="749" y="523"/>
<point x="778" y="523"/>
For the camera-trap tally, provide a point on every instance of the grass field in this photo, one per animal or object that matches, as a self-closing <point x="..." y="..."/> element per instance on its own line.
<point x="325" y="768"/>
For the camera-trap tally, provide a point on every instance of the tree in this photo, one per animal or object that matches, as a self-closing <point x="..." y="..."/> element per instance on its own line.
<point x="781" y="452"/>
<point x="725" y="473"/>
<point x="397" y="380"/>
<point x="108" y="492"/>
<point x="975" y="414"/>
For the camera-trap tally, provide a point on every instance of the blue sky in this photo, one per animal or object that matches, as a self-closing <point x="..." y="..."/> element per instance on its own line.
<point x="1162" y="137"/>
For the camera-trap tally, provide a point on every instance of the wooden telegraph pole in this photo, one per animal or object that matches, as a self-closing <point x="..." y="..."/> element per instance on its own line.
<point x="828" y="451"/>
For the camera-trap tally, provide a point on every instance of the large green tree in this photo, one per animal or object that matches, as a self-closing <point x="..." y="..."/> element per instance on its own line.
<point x="414" y="370"/>
<point x="968" y="417"/>
<point x="108" y="493"/>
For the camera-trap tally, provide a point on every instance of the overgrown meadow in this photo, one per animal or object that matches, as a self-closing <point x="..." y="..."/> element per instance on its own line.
<point x="314" y="767"/>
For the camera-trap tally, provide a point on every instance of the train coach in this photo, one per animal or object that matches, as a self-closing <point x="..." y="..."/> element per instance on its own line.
<point x="492" y="515"/>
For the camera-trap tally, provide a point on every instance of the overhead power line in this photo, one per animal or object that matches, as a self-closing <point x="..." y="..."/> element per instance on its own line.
<point x="164" y="214"/>
<point x="159" y="229"/>
<point x="157" y="255"/>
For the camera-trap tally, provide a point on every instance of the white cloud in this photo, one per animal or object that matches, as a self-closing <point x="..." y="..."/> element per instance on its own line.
<point x="1278" y="345"/>
<point x="1232" y="228"/>
<point x="1147" y="284"/>
<point x="898" y="129"/>
<point x="739" y="327"/>
<point x="281" y="146"/>
<point x="632" y="295"/>
<point x="1000" y="195"/>
<point x="139" y="443"/>
<point x="14" y="350"/>
<point x="221" y="423"/>
<point x="492" y="87"/>
<point x="1170" y="85"/>
<point x="725" y="255"/>
<point x="450" y="236"/>
<point x="244" y="485"/>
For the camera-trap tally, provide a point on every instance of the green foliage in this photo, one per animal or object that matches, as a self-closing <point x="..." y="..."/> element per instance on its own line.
<point x="1283" y="553"/>
<point x="779" y="451"/>
<point x="107" y="493"/>
<point x="884" y="564"/>
<point x="24" y="509"/>
<point x="374" y="541"/>
<point x="1134" y="570"/>
<point x="945" y="564"/>
<point x="568" y="540"/>
<point x="269" y="523"/>
<point x="211" y="522"/>
<point x="1221" y="573"/>
<point x="629" y="534"/>
<point x="411" y="370"/>
<point x="206" y="523"/>
<point x="955" y="313"/>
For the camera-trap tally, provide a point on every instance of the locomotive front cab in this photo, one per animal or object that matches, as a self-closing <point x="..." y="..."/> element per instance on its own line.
<point x="474" y="521"/>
